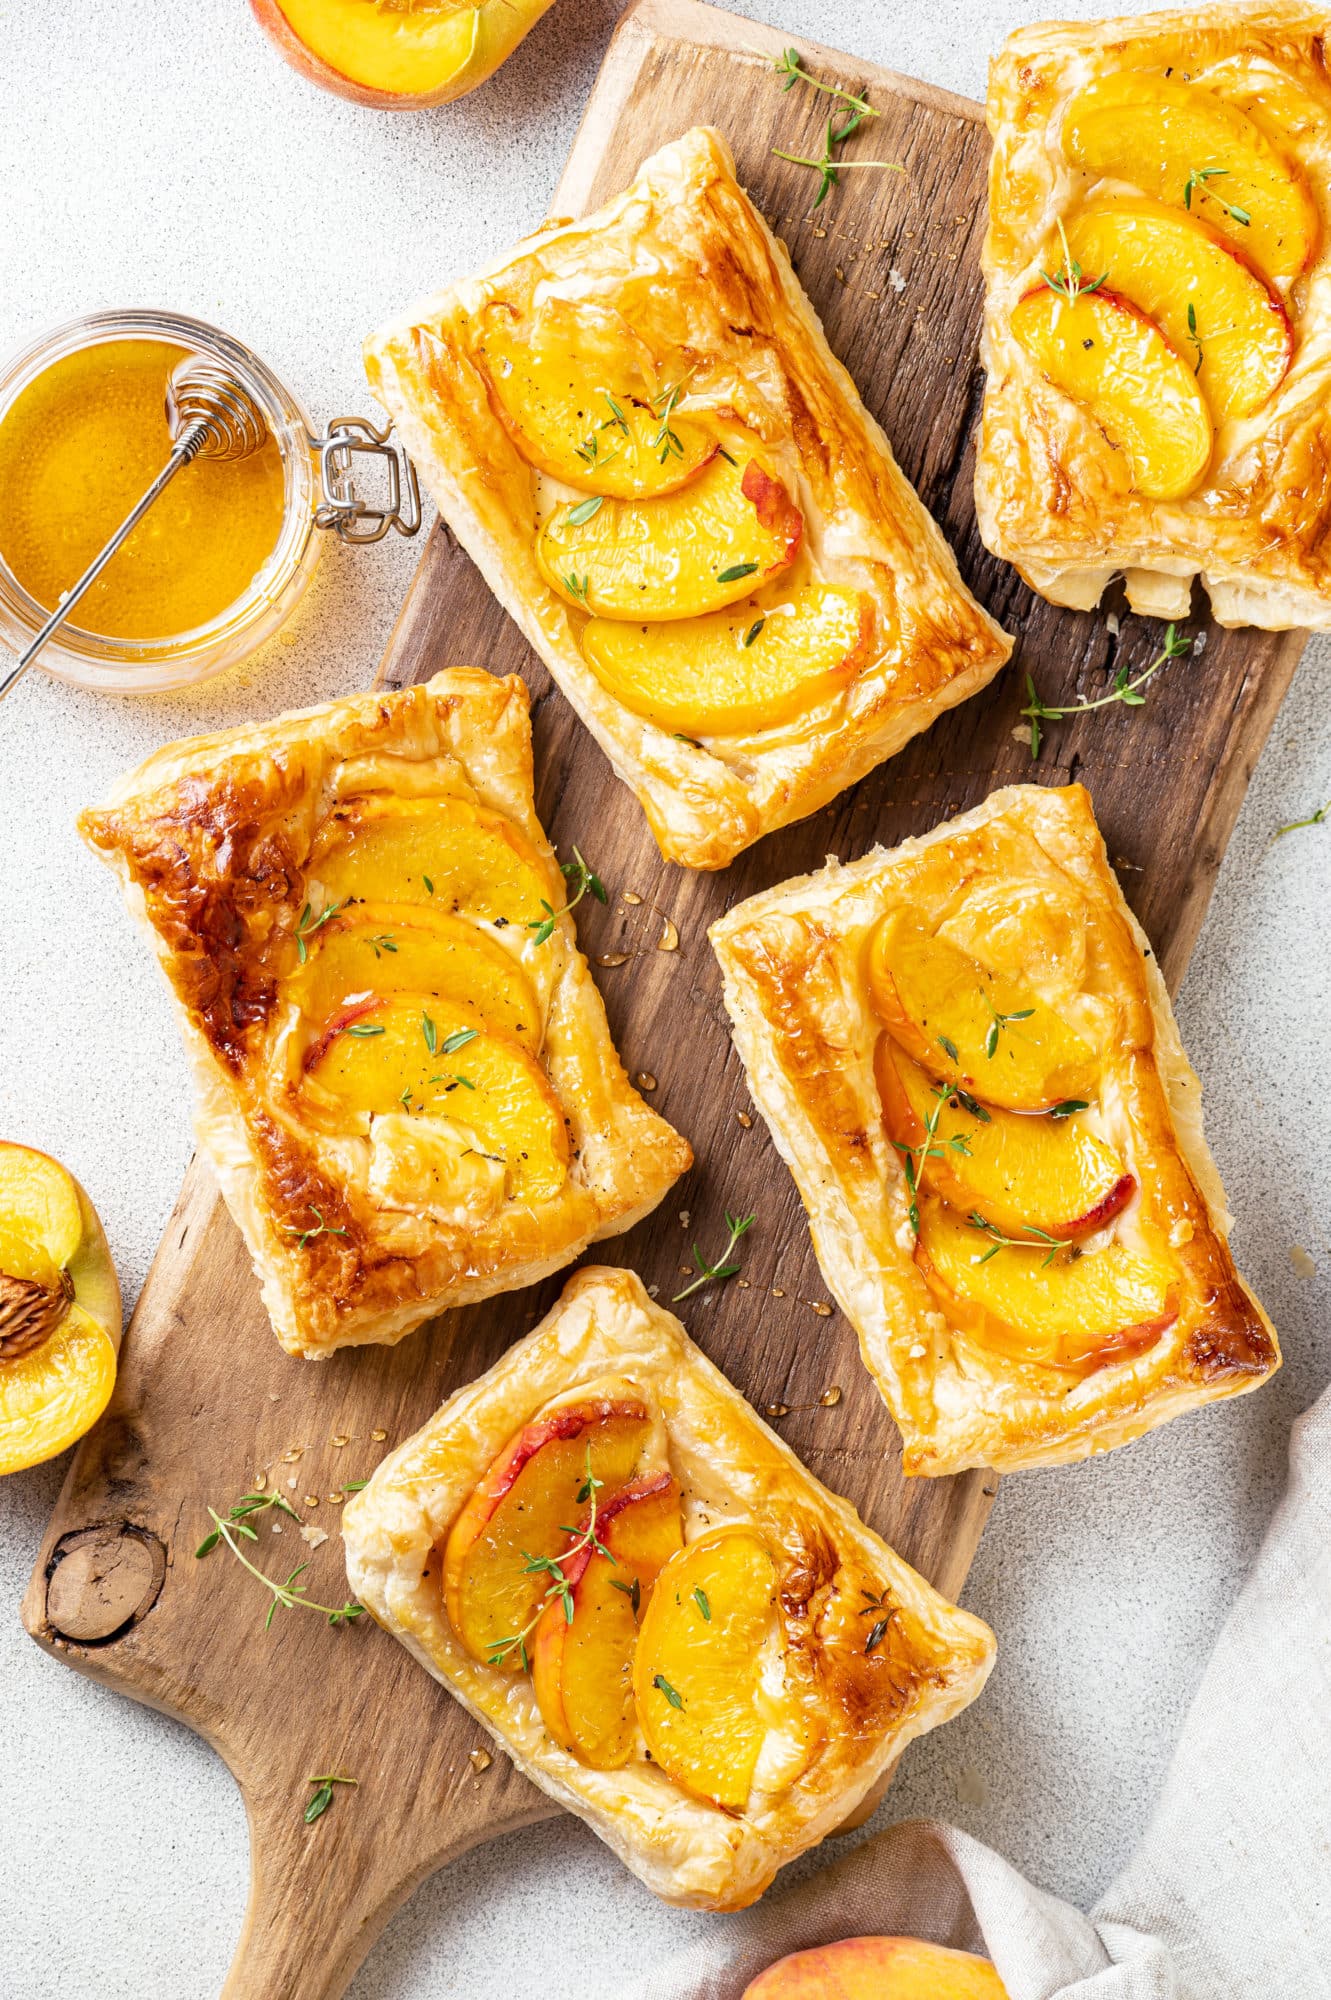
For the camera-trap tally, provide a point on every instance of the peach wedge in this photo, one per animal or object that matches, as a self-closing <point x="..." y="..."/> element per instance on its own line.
<point x="582" y="1665"/>
<point x="447" y="853"/>
<point x="683" y="555"/>
<point x="1039" y="1302"/>
<point x="401" y="58"/>
<point x="1047" y="1173"/>
<point x="1209" y="304"/>
<point x="522" y="1510"/>
<point x="1108" y="356"/>
<point x="970" y="1027"/>
<point x="737" y="672"/>
<point x="1190" y="148"/>
<point x="878" y="1968"/>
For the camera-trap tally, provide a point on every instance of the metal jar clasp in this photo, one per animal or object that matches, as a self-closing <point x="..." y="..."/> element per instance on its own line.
<point x="341" y="507"/>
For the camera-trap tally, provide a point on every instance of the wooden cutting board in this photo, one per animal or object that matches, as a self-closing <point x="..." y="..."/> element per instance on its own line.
<point x="207" y="1401"/>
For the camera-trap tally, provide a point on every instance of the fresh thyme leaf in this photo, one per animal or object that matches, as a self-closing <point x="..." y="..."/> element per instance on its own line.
<point x="728" y="456"/>
<point x="660" y="1681"/>
<point x="1198" y="179"/>
<point x="914" y="1157"/>
<point x="788" y="64"/>
<point x="949" y="1048"/>
<point x="381" y="944"/>
<point x="354" y="1485"/>
<point x="429" y="885"/>
<point x="1124" y="690"/>
<point x="323" y="1797"/>
<point x="973" y="1105"/>
<point x="208" y="1544"/>
<point x="321" y="1228"/>
<point x="1035" y="1239"/>
<point x="633" y="1592"/>
<point x="363" y="1031"/>
<point x="585" y="509"/>
<point x="1192" y="336"/>
<point x="1068" y="1106"/>
<point x="577" y="586"/>
<point x="736" y="571"/>
<point x="828" y="169"/>
<point x="616" y="417"/>
<point x="737" y="1226"/>
<point x="457" y="1040"/>
<point x="754" y="630"/>
<point x="1292" y="825"/>
<point x="305" y="929"/>
<point x="582" y="880"/>
<point x="700" y="1599"/>
<point x="1070" y="281"/>
<point x="287" y="1596"/>
<point x="429" y="1031"/>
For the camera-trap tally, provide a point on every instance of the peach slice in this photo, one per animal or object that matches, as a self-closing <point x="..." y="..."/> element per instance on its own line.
<point x="696" y="1669"/>
<point x="1094" y="1306"/>
<point x="59" y="1310"/>
<point x="878" y="1968"/>
<point x="386" y="1056"/>
<point x="521" y="1511"/>
<point x="583" y="400"/>
<point x="397" y="58"/>
<point x="680" y="556"/>
<point x="1275" y="101"/>
<point x="387" y="948"/>
<point x="447" y="853"/>
<point x="1108" y="356"/>
<point x="582" y="1666"/>
<point x="736" y="672"/>
<point x="972" y="1027"/>
<point x="1191" y="148"/>
<point x="1199" y="292"/>
<point x="1022" y="1172"/>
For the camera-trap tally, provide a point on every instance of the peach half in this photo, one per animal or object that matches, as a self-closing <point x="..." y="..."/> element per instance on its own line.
<point x="582" y="1664"/>
<point x="1190" y="148"/>
<point x="444" y="852"/>
<point x="878" y="1968"/>
<point x="1022" y="1172"/>
<point x="1038" y="1302"/>
<point x="523" y="1510"/>
<point x="59" y="1310"/>
<point x="740" y="671"/>
<point x="972" y="1027"/>
<point x="1108" y="356"/>
<point x="1206" y="300"/>
<point x="683" y="555"/>
<point x="397" y="57"/>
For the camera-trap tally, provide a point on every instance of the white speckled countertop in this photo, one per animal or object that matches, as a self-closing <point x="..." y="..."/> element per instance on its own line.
<point x="164" y="156"/>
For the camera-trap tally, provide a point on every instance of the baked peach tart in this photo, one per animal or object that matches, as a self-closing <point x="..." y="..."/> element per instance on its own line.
<point x="966" y="1054"/>
<point x="659" y="1614"/>
<point x="405" y="1080"/>
<point x="1158" y="305"/>
<point x="635" y="426"/>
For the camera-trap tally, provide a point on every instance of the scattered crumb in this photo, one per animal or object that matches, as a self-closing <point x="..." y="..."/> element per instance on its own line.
<point x="1112" y="625"/>
<point x="480" y="1760"/>
<point x="1021" y="734"/>
<point x="743" y="1284"/>
<point x="1303" y="1264"/>
<point x="918" y="1351"/>
<point x="971" y="1788"/>
<point x="777" y="1292"/>
<point x="652" y="1291"/>
<point x="632" y="898"/>
<point x="314" y="1536"/>
<point x="745" y="1120"/>
<point x="896" y="281"/>
<point x="821" y="1307"/>
<point x="1199" y="643"/>
<point x="292" y="1482"/>
<point x="645" y="1080"/>
<point x="684" y="1218"/>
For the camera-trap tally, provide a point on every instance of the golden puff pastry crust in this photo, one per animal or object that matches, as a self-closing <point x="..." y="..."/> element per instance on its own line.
<point x="863" y="1707"/>
<point x="1054" y="495"/>
<point x="682" y="279"/>
<point x="365" y="1217"/>
<point x="1023" y="885"/>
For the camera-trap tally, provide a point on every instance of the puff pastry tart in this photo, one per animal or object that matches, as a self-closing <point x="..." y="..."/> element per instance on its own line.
<point x="966" y="1054"/>
<point x="405" y="1080"/>
<point x="1158" y="321"/>
<point x="635" y="426"/>
<point x="662" y="1617"/>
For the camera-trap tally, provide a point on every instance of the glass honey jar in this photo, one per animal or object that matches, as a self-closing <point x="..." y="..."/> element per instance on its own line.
<point x="225" y="552"/>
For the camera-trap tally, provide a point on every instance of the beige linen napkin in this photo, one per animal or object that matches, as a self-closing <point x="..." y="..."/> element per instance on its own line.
<point x="1229" y="1895"/>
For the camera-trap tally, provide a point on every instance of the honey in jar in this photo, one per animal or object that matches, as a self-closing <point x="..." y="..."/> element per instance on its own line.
<point x="78" y="447"/>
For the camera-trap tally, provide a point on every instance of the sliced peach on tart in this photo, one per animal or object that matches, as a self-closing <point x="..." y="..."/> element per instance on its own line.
<point x="1208" y="302"/>
<point x="740" y="671"/>
<point x="393" y="1057"/>
<point x="1189" y="147"/>
<point x="878" y="1968"/>
<point x="1051" y="1173"/>
<point x="697" y="1668"/>
<point x="521" y="1514"/>
<point x="970" y="1026"/>
<point x="447" y="853"/>
<point x="366" y="949"/>
<point x="585" y="402"/>
<point x="1042" y="1301"/>
<point x="59" y="1309"/>
<point x="397" y="58"/>
<point x="1108" y="356"/>
<point x="582" y="1649"/>
<point x="1277" y="103"/>
<point x="688" y="553"/>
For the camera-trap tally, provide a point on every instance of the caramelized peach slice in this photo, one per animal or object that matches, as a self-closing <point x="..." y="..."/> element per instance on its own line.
<point x="1191" y="148"/>
<point x="521" y="1512"/>
<point x="445" y="852"/>
<point x="878" y="1968"/>
<point x="1112" y="359"/>
<point x="696" y="1669"/>
<point x="584" y="401"/>
<point x="1200" y="293"/>
<point x="682" y="556"/>
<point x="582" y="1666"/>
<point x="970" y="1026"/>
<point x="1080" y="1307"/>
<point x="1277" y="103"/>
<point x="740" y="671"/>
<point x="388" y="948"/>
<point x="390" y="1056"/>
<point x="1022" y="1172"/>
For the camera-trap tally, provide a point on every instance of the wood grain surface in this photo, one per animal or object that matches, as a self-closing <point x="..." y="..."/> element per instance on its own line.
<point x="207" y="1401"/>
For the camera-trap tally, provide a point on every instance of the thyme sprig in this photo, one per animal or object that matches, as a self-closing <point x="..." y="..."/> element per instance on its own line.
<point x="828" y="168"/>
<point x="1197" y="183"/>
<point x="1195" y="337"/>
<point x="1036" y="1240"/>
<point x="323" y="1798"/>
<point x="305" y="1236"/>
<point x="997" y="1023"/>
<point x="234" y="1527"/>
<point x="914" y="1157"/>
<point x="788" y="65"/>
<point x="666" y="443"/>
<point x="1070" y="281"/>
<point x="553" y="1567"/>
<point x="1125" y="689"/>
<point x="582" y="880"/>
<point x="737" y="1226"/>
<point x="1292" y="825"/>
<point x="305" y="929"/>
<point x="882" y="1614"/>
